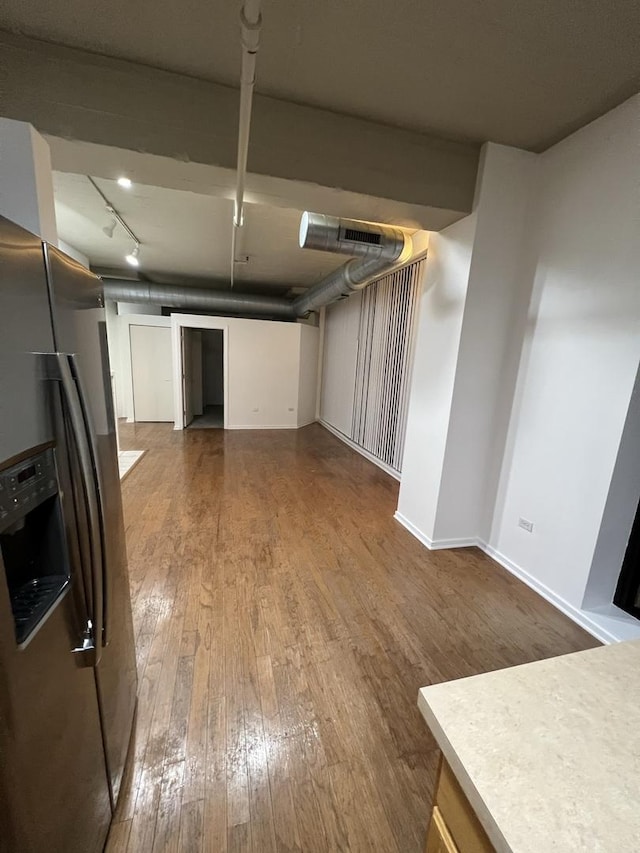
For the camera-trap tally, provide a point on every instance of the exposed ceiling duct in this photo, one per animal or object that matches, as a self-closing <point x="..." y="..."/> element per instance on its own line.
<point x="375" y="249"/>
<point x="198" y="298"/>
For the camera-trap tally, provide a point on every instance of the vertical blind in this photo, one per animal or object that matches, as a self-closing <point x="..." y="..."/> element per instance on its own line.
<point x="383" y="365"/>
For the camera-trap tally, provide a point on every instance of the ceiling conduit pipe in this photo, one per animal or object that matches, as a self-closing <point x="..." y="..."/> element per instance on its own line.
<point x="197" y="298"/>
<point x="250" y="22"/>
<point x="375" y="249"/>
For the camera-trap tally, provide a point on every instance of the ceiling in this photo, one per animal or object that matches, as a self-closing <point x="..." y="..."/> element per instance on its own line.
<point x="186" y="236"/>
<point x="517" y="72"/>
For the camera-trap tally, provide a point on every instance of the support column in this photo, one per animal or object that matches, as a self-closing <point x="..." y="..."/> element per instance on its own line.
<point x="26" y="179"/>
<point x="473" y="317"/>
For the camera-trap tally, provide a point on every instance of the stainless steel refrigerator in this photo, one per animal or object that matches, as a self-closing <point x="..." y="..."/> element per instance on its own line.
<point x="67" y="659"/>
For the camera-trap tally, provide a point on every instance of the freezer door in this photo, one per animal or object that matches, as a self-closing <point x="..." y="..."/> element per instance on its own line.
<point x="79" y="328"/>
<point x="25" y="328"/>
<point x="54" y="794"/>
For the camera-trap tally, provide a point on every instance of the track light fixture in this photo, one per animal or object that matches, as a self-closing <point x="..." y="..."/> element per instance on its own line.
<point x="132" y="257"/>
<point x="111" y="227"/>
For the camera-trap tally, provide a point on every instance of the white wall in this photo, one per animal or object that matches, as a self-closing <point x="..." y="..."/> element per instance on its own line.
<point x="263" y="374"/>
<point x="261" y="370"/>
<point x="518" y="408"/>
<point x="436" y="355"/>
<point x="308" y="376"/>
<point x="580" y="356"/>
<point x="264" y="365"/>
<point x="340" y="352"/>
<point x="468" y="334"/>
<point x="74" y="253"/>
<point x="497" y="295"/>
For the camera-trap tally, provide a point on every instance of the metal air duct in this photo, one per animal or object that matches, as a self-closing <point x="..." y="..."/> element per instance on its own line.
<point x="197" y="298"/>
<point x="375" y="249"/>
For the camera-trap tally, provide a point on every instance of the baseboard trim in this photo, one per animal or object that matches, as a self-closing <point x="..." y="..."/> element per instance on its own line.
<point x="261" y="426"/>
<point x="432" y="544"/>
<point x="585" y="619"/>
<point x="440" y="544"/>
<point x="350" y="443"/>
<point x="255" y="426"/>
<point x="413" y="530"/>
<point x="580" y="617"/>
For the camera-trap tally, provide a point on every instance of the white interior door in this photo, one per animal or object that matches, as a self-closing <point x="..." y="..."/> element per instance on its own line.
<point x="152" y="373"/>
<point x="187" y="381"/>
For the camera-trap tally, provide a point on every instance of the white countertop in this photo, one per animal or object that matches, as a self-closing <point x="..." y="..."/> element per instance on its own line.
<point x="548" y="753"/>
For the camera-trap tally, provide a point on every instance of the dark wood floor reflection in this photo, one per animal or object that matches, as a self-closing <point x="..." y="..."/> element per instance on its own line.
<point x="284" y="624"/>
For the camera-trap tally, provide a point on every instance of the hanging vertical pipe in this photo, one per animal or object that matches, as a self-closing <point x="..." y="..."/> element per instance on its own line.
<point x="250" y="22"/>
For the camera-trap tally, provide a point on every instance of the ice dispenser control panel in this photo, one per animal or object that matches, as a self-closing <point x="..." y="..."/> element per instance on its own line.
<point x="24" y="486"/>
<point x="32" y="542"/>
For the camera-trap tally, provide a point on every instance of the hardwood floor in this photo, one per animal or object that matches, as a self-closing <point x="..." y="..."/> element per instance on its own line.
<point x="284" y="624"/>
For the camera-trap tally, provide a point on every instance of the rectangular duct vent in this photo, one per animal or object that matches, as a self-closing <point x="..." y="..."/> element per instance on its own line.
<point x="356" y="236"/>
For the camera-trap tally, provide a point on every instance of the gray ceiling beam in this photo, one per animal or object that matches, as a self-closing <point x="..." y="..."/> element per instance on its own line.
<point x="78" y="95"/>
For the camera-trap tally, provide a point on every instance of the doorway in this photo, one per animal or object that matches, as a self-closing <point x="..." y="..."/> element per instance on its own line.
<point x="203" y="378"/>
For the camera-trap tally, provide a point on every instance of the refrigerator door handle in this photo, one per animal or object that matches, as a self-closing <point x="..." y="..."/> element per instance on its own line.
<point x="60" y="367"/>
<point x="101" y="527"/>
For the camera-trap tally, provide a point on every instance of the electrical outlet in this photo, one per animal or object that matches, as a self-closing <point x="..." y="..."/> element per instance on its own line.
<point x="525" y="525"/>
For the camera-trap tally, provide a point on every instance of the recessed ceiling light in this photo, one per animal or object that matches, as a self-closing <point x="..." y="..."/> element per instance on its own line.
<point x="125" y="183"/>
<point x="132" y="258"/>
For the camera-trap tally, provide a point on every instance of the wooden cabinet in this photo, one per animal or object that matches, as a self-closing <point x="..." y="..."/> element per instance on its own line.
<point x="439" y="838"/>
<point x="454" y="826"/>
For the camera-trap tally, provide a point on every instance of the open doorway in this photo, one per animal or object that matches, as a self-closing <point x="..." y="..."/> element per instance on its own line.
<point x="203" y="378"/>
<point x="212" y="379"/>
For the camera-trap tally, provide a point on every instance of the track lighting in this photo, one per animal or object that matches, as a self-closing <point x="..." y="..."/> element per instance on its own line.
<point x="116" y="219"/>
<point x="125" y="183"/>
<point x="111" y="227"/>
<point x="132" y="258"/>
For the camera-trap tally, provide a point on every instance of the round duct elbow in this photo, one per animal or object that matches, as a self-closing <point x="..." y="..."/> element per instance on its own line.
<point x="350" y="237"/>
<point x="374" y="248"/>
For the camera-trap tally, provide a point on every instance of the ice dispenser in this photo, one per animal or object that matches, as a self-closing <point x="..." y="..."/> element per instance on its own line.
<point x="32" y="541"/>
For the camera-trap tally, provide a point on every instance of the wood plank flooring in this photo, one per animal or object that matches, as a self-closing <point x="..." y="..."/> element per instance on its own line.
<point x="284" y="623"/>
